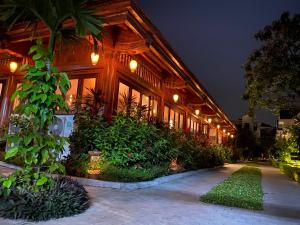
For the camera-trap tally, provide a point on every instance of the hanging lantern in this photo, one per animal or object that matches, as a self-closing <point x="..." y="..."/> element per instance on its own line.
<point x="218" y="126"/>
<point x="175" y="97"/>
<point x="133" y="65"/>
<point x="231" y="136"/>
<point x="13" y="66"/>
<point x="94" y="58"/>
<point x="224" y="130"/>
<point x="209" y="120"/>
<point x="228" y="133"/>
<point x="197" y="112"/>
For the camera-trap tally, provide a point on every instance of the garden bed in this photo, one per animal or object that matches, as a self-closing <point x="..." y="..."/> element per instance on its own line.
<point x="291" y="171"/>
<point x="242" y="189"/>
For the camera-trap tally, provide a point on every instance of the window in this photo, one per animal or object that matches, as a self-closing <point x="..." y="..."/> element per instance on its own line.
<point x="154" y="107"/>
<point x="176" y="120"/>
<point x="181" y="121"/>
<point x="166" y="114"/>
<point x="136" y="96"/>
<point x="123" y="92"/>
<point x="72" y="92"/>
<point x="17" y="100"/>
<point x="188" y="123"/>
<point x="1" y="91"/>
<point x="171" y="122"/>
<point x="88" y="84"/>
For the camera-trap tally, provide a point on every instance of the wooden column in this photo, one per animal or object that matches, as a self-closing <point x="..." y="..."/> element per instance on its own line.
<point x="108" y="82"/>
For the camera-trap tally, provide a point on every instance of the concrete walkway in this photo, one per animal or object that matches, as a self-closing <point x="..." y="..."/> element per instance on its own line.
<point x="177" y="203"/>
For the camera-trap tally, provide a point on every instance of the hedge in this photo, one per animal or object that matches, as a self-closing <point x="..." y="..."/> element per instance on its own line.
<point x="290" y="170"/>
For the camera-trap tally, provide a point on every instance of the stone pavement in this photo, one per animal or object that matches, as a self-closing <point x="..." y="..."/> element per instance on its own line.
<point x="177" y="203"/>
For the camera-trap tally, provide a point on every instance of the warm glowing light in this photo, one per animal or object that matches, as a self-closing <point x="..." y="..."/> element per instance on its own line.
<point x="209" y="120"/>
<point x="133" y="65"/>
<point x="197" y="111"/>
<point x="171" y="124"/>
<point x="13" y="66"/>
<point x="228" y="133"/>
<point x="231" y="136"/>
<point x="175" y="98"/>
<point x="218" y="126"/>
<point x="224" y="130"/>
<point x="94" y="58"/>
<point x="154" y="112"/>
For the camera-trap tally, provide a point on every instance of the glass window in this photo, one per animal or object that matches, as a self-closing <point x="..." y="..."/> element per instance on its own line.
<point x="154" y="107"/>
<point x="171" y="122"/>
<point x="88" y="84"/>
<point x="1" y="87"/>
<point x="145" y="100"/>
<point x="136" y="96"/>
<point x="176" y="123"/>
<point x="166" y="114"/>
<point x="72" y="92"/>
<point x="181" y="121"/>
<point x="17" y="100"/>
<point x="123" y="92"/>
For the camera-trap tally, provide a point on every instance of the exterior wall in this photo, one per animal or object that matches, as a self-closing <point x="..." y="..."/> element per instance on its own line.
<point x="160" y="73"/>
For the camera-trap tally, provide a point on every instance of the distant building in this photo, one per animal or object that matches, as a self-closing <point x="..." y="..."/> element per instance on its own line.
<point x="286" y="119"/>
<point x="259" y="129"/>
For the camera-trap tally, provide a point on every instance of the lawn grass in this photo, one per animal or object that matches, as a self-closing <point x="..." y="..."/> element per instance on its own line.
<point x="242" y="189"/>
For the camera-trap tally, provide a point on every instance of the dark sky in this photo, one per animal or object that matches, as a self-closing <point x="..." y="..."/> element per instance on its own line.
<point x="214" y="39"/>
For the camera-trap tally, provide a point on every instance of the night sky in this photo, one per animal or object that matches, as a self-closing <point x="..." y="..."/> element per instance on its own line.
<point x="214" y="39"/>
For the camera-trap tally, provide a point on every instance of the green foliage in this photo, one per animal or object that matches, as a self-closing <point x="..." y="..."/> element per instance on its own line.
<point x="283" y="147"/>
<point x="291" y="171"/>
<point x="242" y="189"/>
<point x="64" y="197"/>
<point x="131" y="142"/>
<point x="272" y="72"/>
<point x="38" y="148"/>
<point x="53" y="14"/>
<point x="132" y="174"/>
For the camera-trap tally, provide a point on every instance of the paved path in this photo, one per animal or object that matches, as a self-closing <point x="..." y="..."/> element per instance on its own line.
<point x="177" y="203"/>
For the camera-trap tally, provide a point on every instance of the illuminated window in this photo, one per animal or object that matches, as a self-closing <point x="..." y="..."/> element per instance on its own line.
<point x="72" y="92"/>
<point x="136" y="96"/>
<point x="154" y="107"/>
<point x="123" y="92"/>
<point x="145" y="101"/>
<point x="176" y="123"/>
<point x="188" y="123"/>
<point x="1" y="86"/>
<point x="17" y="100"/>
<point x="171" y="122"/>
<point x="166" y="114"/>
<point x="88" y="84"/>
<point x="181" y="121"/>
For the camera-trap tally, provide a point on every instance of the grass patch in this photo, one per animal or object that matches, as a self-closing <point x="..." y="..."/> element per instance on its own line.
<point x="131" y="174"/>
<point x="242" y="189"/>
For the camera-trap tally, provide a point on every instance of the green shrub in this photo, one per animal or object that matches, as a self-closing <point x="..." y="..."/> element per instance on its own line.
<point x="130" y="142"/>
<point x="291" y="171"/>
<point x="132" y="174"/>
<point x="65" y="197"/>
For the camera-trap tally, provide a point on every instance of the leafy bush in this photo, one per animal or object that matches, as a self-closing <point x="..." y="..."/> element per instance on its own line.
<point x="130" y="142"/>
<point x="132" y="174"/>
<point x="64" y="197"/>
<point x="291" y="171"/>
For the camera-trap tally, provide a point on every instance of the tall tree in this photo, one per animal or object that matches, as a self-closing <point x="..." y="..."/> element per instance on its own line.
<point x="273" y="70"/>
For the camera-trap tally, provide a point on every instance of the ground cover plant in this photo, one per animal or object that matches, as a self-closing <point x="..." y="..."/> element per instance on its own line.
<point x="242" y="189"/>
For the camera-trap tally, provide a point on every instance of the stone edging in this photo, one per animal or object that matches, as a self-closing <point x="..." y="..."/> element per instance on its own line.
<point x="136" y="185"/>
<point x="123" y="185"/>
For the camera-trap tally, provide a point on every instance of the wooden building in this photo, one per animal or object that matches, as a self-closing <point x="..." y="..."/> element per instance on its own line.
<point x="129" y="40"/>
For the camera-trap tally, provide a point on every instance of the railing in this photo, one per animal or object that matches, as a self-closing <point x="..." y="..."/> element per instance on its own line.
<point x="143" y="70"/>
